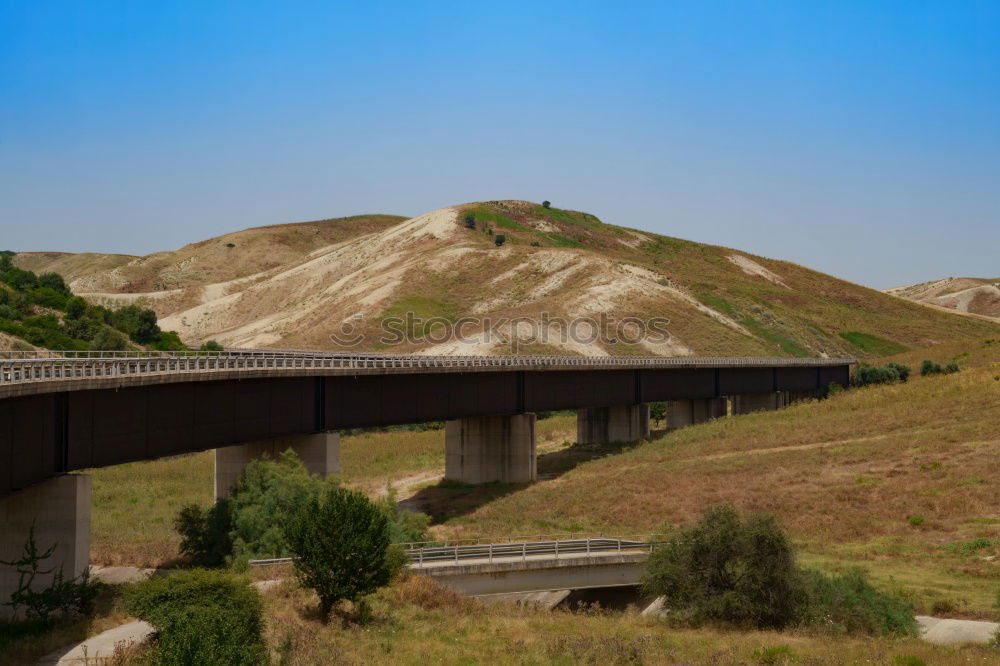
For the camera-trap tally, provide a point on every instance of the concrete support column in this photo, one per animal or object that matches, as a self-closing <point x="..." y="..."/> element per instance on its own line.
<point x="319" y="452"/>
<point x="491" y="448"/>
<point x="746" y="403"/>
<point x="59" y="509"/>
<point x="602" y="425"/>
<point x="682" y="413"/>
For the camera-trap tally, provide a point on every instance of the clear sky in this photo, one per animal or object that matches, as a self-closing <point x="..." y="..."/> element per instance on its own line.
<point x="858" y="138"/>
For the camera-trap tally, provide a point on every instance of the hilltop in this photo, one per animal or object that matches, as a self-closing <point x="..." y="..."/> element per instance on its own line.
<point x="978" y="296"/>
<point x="291" y="286"/>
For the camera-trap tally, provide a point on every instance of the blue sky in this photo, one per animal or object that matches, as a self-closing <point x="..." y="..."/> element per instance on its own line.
<point x="858" y="138"/>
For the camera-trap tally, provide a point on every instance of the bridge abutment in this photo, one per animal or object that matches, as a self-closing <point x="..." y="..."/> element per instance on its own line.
<point x="681" y="413"/>
<point x="602" y="425"/>
<point x="491" y="448"/>
<point x="319" y="452"/>
<point x="59" y="510"/>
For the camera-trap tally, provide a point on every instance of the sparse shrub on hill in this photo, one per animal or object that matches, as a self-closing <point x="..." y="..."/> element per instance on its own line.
<point x="929" y="367"/>
<point x="848" y="603"/>
<point x="546" y="204"/>
<point x="500" y="240"/>
<point x="730" y="569"/>
<point x="211" y="346"/>
<point x="201" y="617"/>
<point x="867" y="375"/>
<point x="742" y="571"/>
<point x="341" y="544"/>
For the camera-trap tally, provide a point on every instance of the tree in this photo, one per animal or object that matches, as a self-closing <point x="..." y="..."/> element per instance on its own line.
<point x="726" y="568"/>
<point x="211" y="346"/>
<point x="341" y="544"/>
<point x="76" y="307"/>
<point x="470" y="221"/>
<point x="108" y="340"/>
<point x="546" y="204"/>
<point x="500" y="239"/>
<point x="658" y="411"/>
<point x="55" y="282"/>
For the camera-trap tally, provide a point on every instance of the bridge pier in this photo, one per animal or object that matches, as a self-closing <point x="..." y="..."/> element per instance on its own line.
<point x="682" y="413"/>
<point x="602" y="425"/>
<point x="491" y="448"/>
<point x="746" y="403"/>
<point x="319" y="452"/>
<point x="59" y="509"/>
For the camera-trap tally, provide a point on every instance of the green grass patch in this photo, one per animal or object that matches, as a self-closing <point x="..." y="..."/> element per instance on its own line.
<point x="488" y="218"/>
<point x="418" y="312"/>
<point x="872" y="344"/>
<point x="569" y="217"/>
<point x="787" y="344"/>
<point x="559" y="241"/>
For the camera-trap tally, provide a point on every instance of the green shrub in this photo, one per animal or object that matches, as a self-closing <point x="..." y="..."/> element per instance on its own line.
<point x="341" y="546"/>
<point x="915" y="521"/>
<point x="772" y="655"/>
<point x="107" y="339"/>
<point x="201" y="617"/>
<point x="848" y="603"/>
<point x="867" y="375"/>
<point x="929" y="367"/>
<point x="833" y="388"/>
<point x="728" y="569"/>
<point x="950" y="368"/>
<point x="546" y="204"/>
<point x="211" y="346"/>
<point x="205" y="534"/>
<point x="500" y="239"/>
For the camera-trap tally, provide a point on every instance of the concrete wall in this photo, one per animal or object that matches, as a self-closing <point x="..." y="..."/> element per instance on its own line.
<point x="758" y="402"/>
<point x="601" y="425"/>
<point x="681" y="413"/>
<point x="491" y="448"/>
<point x="319" y="452"/>
<point x="59" y="509"/>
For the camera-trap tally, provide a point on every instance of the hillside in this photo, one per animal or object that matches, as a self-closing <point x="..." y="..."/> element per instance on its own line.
<point x="971" y="295"/>
<point x="293" y="285"/>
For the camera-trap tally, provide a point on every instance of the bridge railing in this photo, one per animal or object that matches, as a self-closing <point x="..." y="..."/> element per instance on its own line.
<point x="42" y="365"/>
<point x="427" y="553"/>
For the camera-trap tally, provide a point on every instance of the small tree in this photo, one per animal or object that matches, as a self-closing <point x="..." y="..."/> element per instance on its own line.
<point x="211" y="346"/>
<point x="500" y="240"/>
<point x="470" y="221"/>
<point x="341" y="544"/>
<point x="728" y="569"/>
<point x="658" y="411"/>
<point x="929" y="367"/>
<point x="546" y="204"/>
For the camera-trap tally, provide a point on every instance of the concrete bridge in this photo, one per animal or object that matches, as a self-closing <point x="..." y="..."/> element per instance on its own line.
<point x="61" y="412"/>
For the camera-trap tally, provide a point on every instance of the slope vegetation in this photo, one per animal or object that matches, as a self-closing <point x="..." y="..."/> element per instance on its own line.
<point x="295" y="285"/>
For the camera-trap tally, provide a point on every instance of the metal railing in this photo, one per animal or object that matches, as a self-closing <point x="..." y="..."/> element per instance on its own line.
<point x="430" y="552"/>
<point x="37" y="366"/>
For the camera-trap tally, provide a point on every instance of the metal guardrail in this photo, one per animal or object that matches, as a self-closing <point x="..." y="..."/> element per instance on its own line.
<point x="420" y="555"/>
<point x="40" y="366"/>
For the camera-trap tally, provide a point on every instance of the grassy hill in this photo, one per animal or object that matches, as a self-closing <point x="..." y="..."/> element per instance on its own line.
<point x="294" y="285"/>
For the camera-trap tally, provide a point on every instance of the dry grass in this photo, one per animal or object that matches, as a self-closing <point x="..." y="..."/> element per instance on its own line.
<point x="418" y="623"/>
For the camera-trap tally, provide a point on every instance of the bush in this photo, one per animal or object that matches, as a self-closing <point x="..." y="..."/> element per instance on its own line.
<point x="847" y="603"/>
<point x="546" y="204"/>
<point x="201" y="617"/>
<point x="500" y="240"/>
<point x="724" y="568"/>
<point x="211" y="346"/>
<point x="929" y="367"/>
<point x="205" y="534"/>
<point x="341" y="544"/>
<point x="743" y="572"/>
<point x="108" y="340"/>
<point x="867" y="375"/>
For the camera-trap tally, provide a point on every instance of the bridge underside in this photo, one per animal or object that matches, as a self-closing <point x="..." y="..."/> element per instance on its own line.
<point x="48" y="434"/>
